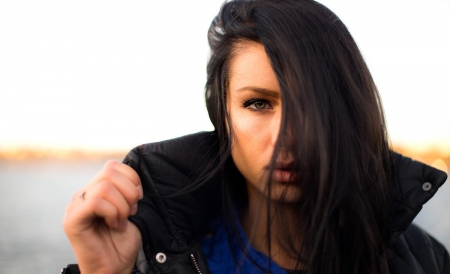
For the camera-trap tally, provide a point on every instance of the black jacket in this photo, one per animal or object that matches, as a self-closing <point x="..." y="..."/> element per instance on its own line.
<point x="170" y="225"/>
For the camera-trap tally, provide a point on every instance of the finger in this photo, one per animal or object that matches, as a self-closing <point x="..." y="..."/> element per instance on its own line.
<point x="110" y="193"/>
<point x="120" y="174"/>
<point x="103" y="191"/>
<point x="128" y="190"/>
<point x="83" y="216"/>
<point x="108" y="211"/>
<point x="129" y="172"/>
<point x="107" y="191"/>
<point x="132" y="176"/>
<point x="124" y="169"/>
<point x="123" y="195"/>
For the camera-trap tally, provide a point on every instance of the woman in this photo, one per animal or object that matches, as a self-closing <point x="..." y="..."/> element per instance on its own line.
<point x="297" y="176"/>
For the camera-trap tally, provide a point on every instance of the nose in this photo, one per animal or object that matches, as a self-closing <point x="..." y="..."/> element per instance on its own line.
<point x="287" y="138"/>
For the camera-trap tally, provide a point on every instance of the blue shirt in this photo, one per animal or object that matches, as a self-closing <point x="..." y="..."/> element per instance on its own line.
<point x="220" y="256"/>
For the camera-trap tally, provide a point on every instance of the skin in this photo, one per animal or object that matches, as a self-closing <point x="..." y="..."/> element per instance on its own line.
<point x="255" y="108"/>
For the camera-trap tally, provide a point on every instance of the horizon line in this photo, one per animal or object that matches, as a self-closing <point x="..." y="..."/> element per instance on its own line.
<point x="87" y="153"/>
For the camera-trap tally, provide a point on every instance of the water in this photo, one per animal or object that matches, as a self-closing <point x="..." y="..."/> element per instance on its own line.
<point x="33" y="196"/>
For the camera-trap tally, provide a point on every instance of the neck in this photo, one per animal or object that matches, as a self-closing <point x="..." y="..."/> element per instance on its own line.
<point x="254" y="219"/>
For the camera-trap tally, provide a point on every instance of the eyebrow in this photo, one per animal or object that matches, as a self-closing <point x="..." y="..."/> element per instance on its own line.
<point x="264" y="91"/>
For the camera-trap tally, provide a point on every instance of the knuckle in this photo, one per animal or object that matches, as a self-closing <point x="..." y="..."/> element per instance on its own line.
<point x="94" y="203"/>
<point x="110" y="167"/>
<point x="66" y="223"/>
<point x="111" y="164"/>
<point x="105" y="187"/>
<point x="67" y="210"/>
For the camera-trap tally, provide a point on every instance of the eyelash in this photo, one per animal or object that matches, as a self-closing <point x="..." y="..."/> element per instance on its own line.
<point x="251" y="101"/>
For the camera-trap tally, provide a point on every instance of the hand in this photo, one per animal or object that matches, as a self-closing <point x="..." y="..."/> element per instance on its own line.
<point x="96" y="221"/>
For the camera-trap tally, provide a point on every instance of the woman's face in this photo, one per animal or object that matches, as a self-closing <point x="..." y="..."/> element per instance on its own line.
<point x="254" y="105"/>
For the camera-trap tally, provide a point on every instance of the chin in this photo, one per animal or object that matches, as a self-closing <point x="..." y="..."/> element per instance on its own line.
<point x="283" y="193"/>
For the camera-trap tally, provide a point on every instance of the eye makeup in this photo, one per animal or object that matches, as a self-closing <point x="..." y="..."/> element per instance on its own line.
<point x="256" y="104"/>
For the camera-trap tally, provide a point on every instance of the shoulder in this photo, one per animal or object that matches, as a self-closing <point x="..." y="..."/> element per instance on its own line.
<point x="415" y="251"/>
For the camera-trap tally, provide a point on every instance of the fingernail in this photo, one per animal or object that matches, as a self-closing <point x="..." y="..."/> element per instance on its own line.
<point x="134" y="209"/>
<point x="123" y="226"/>
<point x="141" y="192"/>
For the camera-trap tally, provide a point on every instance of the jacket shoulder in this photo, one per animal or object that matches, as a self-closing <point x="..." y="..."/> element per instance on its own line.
<point x="415" y="251"/>
<point x="180" y="194"/>
<point x="415" y="184"/>
<point x="178" y="148"/>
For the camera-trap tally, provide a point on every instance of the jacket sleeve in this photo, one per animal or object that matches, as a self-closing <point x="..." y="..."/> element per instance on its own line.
<point x="70" y="269"/>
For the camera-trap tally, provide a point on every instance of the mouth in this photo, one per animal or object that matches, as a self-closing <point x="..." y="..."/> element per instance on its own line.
<point x="284" y="172"/>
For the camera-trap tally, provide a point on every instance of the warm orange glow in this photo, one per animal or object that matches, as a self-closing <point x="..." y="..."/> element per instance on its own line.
<point x="59" y="154"/>
<point x="440" y="164"/>
<point x="438" y="158"/>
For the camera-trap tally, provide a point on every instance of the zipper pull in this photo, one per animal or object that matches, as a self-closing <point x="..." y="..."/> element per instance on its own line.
<point x="194" y="263"/>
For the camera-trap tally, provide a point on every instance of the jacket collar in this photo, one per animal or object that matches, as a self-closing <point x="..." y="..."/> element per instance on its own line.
<point x="165" y="167"/>
<point x="416" y="183"/>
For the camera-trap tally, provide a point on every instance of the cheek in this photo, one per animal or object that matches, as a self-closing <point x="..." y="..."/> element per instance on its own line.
<point x="253" y="141"/>
<point x="252" y="133"/>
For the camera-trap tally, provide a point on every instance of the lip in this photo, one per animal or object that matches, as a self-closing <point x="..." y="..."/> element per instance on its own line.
<point x="284" y="172"/>
<point x="284" y="176"/>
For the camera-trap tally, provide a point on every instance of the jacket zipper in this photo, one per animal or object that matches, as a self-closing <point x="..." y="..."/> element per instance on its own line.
<point x="194" y="262"/>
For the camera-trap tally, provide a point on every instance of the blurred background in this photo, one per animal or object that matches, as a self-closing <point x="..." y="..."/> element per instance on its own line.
<point x="85" y="81"/>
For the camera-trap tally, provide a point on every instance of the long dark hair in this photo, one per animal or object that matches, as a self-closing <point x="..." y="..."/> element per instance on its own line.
<point x="333" y="113"/>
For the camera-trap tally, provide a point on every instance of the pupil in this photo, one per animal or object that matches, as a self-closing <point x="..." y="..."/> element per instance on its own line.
<point x="260" y="105"/>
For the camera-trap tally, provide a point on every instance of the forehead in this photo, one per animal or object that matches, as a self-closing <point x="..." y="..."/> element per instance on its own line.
<point x="250" y="66"/>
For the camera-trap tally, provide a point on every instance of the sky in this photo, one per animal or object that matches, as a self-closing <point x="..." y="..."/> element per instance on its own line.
<point x="110" y="75"/>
